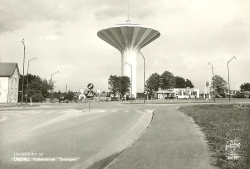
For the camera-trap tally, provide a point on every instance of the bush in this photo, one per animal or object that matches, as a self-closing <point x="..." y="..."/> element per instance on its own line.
<point x="239" y="95"/>
<point x="223" y="95"/>
<point x="37" y="97"/>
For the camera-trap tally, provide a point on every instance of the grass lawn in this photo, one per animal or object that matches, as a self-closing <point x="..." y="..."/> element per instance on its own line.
<point x="222" y="123"/>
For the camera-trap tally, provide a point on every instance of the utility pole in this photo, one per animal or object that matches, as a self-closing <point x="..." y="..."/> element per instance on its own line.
<point x="28" y="78"/>
<point x="131" y="80"/>
<point x="228" y="77"/>
<point x="51" y="86"/>
<point x="144" y="77"/>
<point x="23" y="70"/>
<point x="213" y="78"/>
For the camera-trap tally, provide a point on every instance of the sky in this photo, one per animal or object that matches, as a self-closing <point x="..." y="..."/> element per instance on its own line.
<point x="63" y="37"/>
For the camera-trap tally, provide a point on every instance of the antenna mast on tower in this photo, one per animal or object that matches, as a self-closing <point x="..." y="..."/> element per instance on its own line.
<point x="128" y="10"/>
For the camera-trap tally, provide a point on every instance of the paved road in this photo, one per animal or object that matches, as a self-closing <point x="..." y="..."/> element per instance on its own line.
<point x="67" y="130"/>
<point x="70" y="130"/>
<point x="172" y="141"/>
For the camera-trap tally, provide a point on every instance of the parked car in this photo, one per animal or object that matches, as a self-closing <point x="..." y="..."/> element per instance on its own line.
<point x="128" y="98"/>
<point x="61" y="100"/>
<point x="170" y="96"/>
<point x="114" y="99"/>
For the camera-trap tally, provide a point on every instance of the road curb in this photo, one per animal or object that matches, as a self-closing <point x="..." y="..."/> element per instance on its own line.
<point x="120" y="144"/>
<point x="117" y="158"/>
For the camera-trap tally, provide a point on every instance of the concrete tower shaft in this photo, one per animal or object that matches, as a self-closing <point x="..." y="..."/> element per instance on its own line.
<point x="128" y="38"/>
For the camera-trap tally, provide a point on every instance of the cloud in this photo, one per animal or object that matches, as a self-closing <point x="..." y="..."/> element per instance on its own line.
<point x="140" y="9"/>
<point x="54" y="36"/>
<point x="64" y="75"/>
<point x="191" y="31"/>
<point x="16" y="14"/>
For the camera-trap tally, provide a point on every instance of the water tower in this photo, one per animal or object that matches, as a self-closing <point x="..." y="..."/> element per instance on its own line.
<point x="129" y="38"/>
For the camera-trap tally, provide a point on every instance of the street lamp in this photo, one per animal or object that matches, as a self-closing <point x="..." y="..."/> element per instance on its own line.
<point x="51" y="85"/>
<point x="23" y="70"/>
<point x="213" y="77"/>
<point x="28" y="77"/>
<point x="228" y="76"/>
<point x="131" y="79"/>
<point x="144" y="75"/>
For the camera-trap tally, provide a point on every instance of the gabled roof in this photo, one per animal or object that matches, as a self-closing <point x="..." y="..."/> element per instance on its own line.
<point x="7" y="69"/>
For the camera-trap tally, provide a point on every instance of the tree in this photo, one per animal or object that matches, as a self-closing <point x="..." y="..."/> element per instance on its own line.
<point x="58" y="94"/>
<point x="124" y="85"/>
<point x="47" y="87"/>
<point x="180" y="82"/>
<point x="119" y="85"/>
<point x="245" y="87"/>
<point x="189" y="83"/>
<point x="38" y="88"/>
<point x="114" y="84"/>
<point x="168" y="80"/>
<point x="153" y="83"/>
<point x="219" y="84"/>
<point x="69" y="96"/>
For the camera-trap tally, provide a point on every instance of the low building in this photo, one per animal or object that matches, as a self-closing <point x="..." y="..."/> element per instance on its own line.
<point x="177" y="93"/>
<point x="9" y="81"/>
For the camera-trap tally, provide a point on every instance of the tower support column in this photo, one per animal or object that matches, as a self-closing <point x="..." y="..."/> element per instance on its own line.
<point x="129" y="56"/>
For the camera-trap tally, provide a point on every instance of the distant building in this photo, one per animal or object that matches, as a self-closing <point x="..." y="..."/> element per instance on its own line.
<point x="9" y="79"/>
<point x="81" y="91"/>
<point x="177" y="93"/>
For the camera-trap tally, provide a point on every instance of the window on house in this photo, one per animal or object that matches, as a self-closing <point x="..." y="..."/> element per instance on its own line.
<point x="180" y="92"/>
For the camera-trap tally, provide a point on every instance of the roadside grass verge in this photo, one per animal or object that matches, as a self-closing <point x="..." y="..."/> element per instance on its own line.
<point x="221" y="123"/>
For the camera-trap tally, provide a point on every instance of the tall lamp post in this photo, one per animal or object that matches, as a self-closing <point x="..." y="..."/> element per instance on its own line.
<point x="228" y="76"/>
<point x="131" y="79"/>
<point x="28" y="78"/>
<point x="23" y="70"/>
<point x="213" y="77"/>
<point x="144" y="75"/>
<point x="51" y="85"/>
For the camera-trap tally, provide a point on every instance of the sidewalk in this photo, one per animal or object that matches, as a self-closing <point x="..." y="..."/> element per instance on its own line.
<point x="171" y="142"/>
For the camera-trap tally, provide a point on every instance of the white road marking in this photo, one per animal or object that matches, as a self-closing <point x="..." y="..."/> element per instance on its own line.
<point x="138" y="111"/>
<point x="49" y="112"/>
<point x="12" y="114"/>
<point x="2" y="118"/>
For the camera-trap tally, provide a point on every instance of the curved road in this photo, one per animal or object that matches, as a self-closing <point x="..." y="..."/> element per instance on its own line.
<point x="72" y="132"/>
<point x="67" y="132"/>
<point x="172" y="141"/>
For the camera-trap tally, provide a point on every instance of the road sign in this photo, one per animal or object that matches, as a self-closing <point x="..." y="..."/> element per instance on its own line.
<point x="90" y="86"/>
<point x="90" y="94"/>
<point x="207" y="84"/>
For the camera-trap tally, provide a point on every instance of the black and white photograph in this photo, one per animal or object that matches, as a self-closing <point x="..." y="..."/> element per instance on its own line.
<point x="124" y="84"/>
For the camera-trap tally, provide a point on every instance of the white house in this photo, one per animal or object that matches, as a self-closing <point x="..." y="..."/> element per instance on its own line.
<point x="178" y="93"/>
<point x="9" y="79"/>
